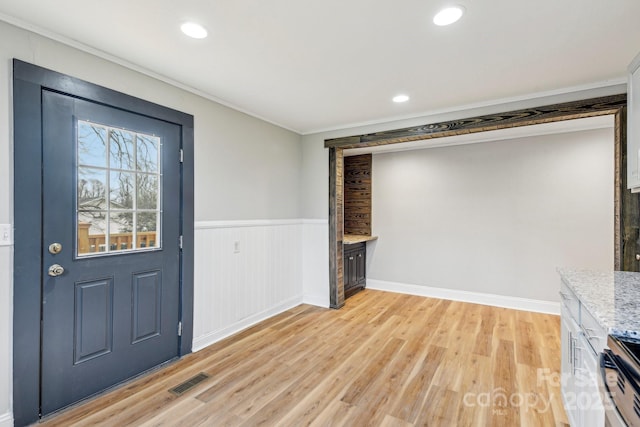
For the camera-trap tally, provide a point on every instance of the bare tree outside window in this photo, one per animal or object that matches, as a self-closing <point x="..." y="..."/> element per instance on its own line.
<point x="118" y="188"/>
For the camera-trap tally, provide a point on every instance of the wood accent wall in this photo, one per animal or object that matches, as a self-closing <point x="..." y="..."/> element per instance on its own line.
<point x="357" y="195"/>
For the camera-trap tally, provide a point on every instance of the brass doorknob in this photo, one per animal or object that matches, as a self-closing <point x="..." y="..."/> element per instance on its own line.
<point x="56" y="270"/>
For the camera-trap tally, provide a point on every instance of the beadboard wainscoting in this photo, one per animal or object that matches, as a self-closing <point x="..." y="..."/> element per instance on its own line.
<point x="315" y="263"/>
<point x="6" y="420"/>
<point x="505" y="301"/>
<point x="6" y="335"/>
<point x="247" y="271"/>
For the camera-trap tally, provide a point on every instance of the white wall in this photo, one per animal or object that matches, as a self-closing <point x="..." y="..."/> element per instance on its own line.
<point x="245" y="169"/>
<point x="495" y="217"/>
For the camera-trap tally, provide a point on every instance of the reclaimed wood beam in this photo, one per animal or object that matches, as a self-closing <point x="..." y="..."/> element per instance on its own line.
<point x="528" y="116"/>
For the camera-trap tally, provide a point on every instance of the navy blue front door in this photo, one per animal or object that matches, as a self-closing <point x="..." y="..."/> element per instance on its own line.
<point x="110" y="252"/>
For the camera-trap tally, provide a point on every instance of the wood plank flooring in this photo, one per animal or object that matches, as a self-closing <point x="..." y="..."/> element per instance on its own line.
<point x="384" y="359"/>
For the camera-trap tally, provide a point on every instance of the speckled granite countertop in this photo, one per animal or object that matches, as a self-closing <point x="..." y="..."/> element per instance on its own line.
<point x="613" y="298"/>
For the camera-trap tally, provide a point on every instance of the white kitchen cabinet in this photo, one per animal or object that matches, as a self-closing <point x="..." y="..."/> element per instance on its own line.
<point x="633" y="126"/>
<point x="589" y="401"/>
<point x="569" y="333"/>
<point x="582" y="341"/>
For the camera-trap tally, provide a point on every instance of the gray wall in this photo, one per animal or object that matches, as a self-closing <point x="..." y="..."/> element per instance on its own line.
<point x="495" y="217"/>
<point x="244" y="168"/>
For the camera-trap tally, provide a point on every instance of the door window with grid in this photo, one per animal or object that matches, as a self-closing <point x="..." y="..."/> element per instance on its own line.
<point x="118" y="206"/>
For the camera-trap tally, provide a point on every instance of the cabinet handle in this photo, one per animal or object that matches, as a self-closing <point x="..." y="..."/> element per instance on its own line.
<point x="359" y="255"/>
<point x="574" y="359"/>
<point x="584" y="371"/>
<point x="350" y="258"/>
<point x="588" y="331"/>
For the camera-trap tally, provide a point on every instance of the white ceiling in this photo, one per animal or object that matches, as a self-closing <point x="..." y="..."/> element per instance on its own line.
<point x="319" y="65"/>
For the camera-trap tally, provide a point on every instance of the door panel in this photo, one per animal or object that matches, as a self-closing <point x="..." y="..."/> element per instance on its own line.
<point x="93" y="323"/>
<point x="147" y="300"/>
<point x="111" y="199"/>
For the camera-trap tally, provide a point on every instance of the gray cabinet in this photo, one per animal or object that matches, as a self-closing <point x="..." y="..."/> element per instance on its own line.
<point x="355" y="268"/>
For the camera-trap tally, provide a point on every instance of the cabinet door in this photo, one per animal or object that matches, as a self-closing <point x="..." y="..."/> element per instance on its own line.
<point x="350" y="270"/>
<point x="360" y="260"/>
<point x="347" y="270"/>
<point x="569" y="335"/>
<point x="588" y="399"/>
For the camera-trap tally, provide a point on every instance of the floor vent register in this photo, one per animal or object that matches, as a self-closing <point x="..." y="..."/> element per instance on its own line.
<point x="189" y="384"/>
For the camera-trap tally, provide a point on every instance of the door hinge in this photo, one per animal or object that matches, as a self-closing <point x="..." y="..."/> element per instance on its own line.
<point x="180" y="241"/>
<point x="181" y="155"/>
<point x="180" y="328"/>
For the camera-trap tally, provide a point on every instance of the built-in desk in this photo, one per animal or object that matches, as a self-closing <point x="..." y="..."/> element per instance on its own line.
<point x="355" y="262"/>
<point x="350" y="239"/>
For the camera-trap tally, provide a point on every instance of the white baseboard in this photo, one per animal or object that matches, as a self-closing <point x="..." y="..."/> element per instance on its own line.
<point x="316" y="300"/>
<point x="6" y="419"/>
<point x="212" y="337"/>
<point x="516" y="303"/>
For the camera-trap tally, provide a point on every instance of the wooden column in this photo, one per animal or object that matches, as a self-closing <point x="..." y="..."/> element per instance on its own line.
<point x="627" y="215"/>
<point x="336" y="230"/>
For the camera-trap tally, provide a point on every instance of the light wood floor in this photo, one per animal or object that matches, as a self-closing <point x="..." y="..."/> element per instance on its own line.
<point x="384" y="359"/>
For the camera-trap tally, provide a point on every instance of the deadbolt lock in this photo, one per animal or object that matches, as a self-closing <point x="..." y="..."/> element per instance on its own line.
<point x="55" y="248"/>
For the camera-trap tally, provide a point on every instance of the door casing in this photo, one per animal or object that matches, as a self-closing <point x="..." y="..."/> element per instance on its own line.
<point x="28" y="83"/>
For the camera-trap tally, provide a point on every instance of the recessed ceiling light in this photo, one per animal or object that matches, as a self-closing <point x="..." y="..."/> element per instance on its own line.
<point x="400" y="98"/>
<point x="448" y="15"/>
<point x="194" y="30"/>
